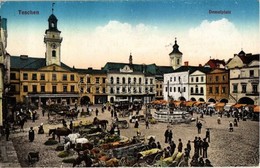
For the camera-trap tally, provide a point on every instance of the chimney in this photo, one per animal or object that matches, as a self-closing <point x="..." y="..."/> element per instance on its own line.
<point x="200" y="65"/>
<point x="130" y="59"/>
<point x="90" y="68"/>
<point x="186" y="63"/>
<point x="24" y="56"/>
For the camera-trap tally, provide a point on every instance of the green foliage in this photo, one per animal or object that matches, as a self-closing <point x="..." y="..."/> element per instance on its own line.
<point x="68" y="160"/>
<point x="63" y="154"/>
<point x="51" y="142"/>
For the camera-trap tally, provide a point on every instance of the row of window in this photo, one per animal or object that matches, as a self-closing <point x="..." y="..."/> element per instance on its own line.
<point x="34" y="77"/>
<point x="158" y="86"/>
<point x="54" y="88"/>
<point x="244" y="88"/>
<point x="174" y="89"/>
<point x="97" y="80"/>
<point x="217" y="78"/>
<point x="130" y="90"/>
<point x="123" y="80"/>
<point x="217" y="90"/>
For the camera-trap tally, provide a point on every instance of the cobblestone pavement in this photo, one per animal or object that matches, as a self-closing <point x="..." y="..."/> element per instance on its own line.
<point x="238" y="148"/>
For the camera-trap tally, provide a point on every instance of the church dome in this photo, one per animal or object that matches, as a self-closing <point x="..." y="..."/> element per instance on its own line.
<point x="52" y="17"/>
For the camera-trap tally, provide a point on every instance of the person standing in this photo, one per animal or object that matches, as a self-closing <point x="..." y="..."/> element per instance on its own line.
<point x="147" y="124"/>
<point x="200" y="146"/>
<point x="7" y="132"/>
<point x="196" y="145"/>
<point x="170" y="136"/>
<point x="188" y="148"/>
<point x="136" y="124"/>
<point x="199" y="126"/>
<point x="96" y="112"/>
<point x="71" y="125"/>
<point x="205" y="146"/>
<point x="112" y="113"/>
<point x="34" y="116"/>
<point x="166" y="135"/>
<point x="173" y="146"/>
<point x="208" y="134"/>
<point x="31" y="134"/>
<point x="180" y="145"/>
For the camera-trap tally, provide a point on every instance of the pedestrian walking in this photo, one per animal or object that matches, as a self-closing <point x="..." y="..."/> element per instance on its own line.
<point x="196" y="145"/>
<point x="230" y="127"/>
<point x="136" y="124"/>
<point x="205" y="146"/>
<point x="166" y="135"/>
<point x="31" y="134"/>
<point x="200" y="145"/>
<point x="96" y="112"/>
<point x="188" y="148"/>
<point x="170" y="136"/>
<point x="112" y="113"/>
<point x="147" y="124"/>
<point x="7" y="132"/>
<point x="208" y="134"/>
<point x="180" y="145"/>
<point x="173" y="146"/>
<point x="34" y="116"/>
<point x="199" y="126"/>
<point x="71" y="125"/>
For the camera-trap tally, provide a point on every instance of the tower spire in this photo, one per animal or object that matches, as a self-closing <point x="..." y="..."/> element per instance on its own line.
<point x="52" y="9"/>
<point x="175" y="40"/>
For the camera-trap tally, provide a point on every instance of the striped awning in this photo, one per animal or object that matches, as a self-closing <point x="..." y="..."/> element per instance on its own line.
<point x="220" y="104"/>
<point x="199" y="103"/>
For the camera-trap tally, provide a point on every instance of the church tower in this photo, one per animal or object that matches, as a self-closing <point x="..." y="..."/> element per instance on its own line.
<point x="53" y="41"/>
<point x="175" y="56"/>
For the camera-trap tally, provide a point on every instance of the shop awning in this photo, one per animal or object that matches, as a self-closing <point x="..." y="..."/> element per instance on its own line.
<point x="220" y="104"/>
<point x="198" y="103"/>
<point x="189" y="103"/>
<point x="257" y="109"/>
<point x="177" y="103"/>
<point x="239" y="105"/>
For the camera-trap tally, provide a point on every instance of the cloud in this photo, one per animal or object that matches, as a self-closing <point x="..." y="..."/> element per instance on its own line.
<point x="219" y="39"/>
<point x="114" y="41"/>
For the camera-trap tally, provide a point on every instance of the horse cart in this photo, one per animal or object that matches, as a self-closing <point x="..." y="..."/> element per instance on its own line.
<point x="148" y="157"/>
<point x="33" y="157"/>
<point x="123" y="124"/>
<point x="55" y="119"/>
<point x="128" y="155"/>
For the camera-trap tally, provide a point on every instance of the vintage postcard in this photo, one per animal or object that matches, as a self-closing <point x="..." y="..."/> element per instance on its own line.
<point x="124" y="83"/>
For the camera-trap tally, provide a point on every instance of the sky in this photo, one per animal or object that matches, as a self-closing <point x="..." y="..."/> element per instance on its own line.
<point x="97" y="32"/>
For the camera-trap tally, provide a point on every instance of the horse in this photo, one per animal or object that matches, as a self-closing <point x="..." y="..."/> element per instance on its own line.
<point x="83" y="157"/>
<point x="60" y="132"/>
<point x="102" y="123"/>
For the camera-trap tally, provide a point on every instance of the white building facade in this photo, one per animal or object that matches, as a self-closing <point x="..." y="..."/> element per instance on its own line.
<point x="130" y="84"/>
<point x="197" y="86"/>
<point x="176" y="86"/>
